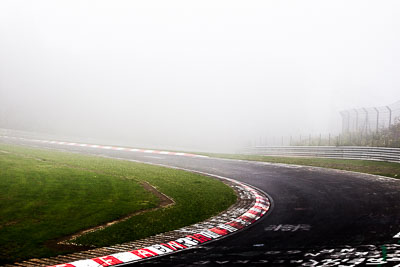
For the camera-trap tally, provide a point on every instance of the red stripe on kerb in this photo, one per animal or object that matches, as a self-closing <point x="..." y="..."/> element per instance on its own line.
<point x="237" y="225"/>
<point x="257" y="213"/>
<point x="107" y="260"/>
<point x="260" y="207"/>
<point x="199" y="237"/>
<point x="219" y="231"/>
<point x="245" y="218"/>
<point x="63" y="265"/>
<point x="174" y="245"/>
<point x="144" y="253"/>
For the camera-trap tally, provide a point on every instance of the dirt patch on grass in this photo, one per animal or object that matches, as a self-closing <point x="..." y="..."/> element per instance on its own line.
<point x="67" y="243"/>
<point x="8" y="224"/>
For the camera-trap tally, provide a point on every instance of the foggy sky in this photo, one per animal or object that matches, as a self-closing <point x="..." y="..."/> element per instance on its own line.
<point x="201" y="75"/>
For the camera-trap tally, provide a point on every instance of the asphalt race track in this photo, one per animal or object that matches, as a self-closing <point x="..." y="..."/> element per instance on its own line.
<point x="320" y="217"/>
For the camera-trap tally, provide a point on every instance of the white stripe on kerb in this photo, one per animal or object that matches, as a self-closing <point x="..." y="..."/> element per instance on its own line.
<point x="85" y="263"/>
<point x="250" y="215"/>
<point x="126" y="256"/>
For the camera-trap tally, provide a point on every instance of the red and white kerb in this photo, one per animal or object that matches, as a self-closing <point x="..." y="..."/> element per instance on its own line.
<point x="260" y="207"/>
<point x="117" y="148"/>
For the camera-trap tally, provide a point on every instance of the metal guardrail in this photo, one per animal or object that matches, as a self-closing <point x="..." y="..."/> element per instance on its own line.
<point x="343" y="152"/>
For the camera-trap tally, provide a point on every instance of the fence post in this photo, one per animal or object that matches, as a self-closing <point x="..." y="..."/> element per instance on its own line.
<point x="356" y="120"/>
<point x="342" y="113"/>
<point x="348" y="121"/>
<point x="377" y="120"/>
<point x="390" y="115"/>
<point x="366" y="121"/>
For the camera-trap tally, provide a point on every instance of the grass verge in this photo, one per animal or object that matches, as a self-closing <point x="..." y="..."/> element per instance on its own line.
<point x="389" y="169"/>
<point x="47" y="195"/>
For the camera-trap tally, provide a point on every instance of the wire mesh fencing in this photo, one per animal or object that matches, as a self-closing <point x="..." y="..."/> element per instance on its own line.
<point x="371" y="127"/>
<point x="369" y="120"/>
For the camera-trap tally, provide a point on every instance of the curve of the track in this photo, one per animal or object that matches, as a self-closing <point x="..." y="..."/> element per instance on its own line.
<point x="314" y="208"/>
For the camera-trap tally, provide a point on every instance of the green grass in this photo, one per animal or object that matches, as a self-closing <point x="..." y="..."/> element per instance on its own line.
<point x="389" y="169"/>
<point x="47" y="195"/>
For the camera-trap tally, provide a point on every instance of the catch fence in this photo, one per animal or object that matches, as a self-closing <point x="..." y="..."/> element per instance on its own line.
<point x="369" y="120"/>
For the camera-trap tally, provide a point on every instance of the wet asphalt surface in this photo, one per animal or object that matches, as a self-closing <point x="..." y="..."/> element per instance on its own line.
<point x="316" y="214"/>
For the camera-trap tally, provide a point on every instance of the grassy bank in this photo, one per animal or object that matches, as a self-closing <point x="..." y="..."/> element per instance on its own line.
<point x="389" y="169"/>
<point x="47" y="195"/>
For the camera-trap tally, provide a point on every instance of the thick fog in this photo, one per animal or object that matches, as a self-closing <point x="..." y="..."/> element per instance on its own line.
<point x="194" y="75"/>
